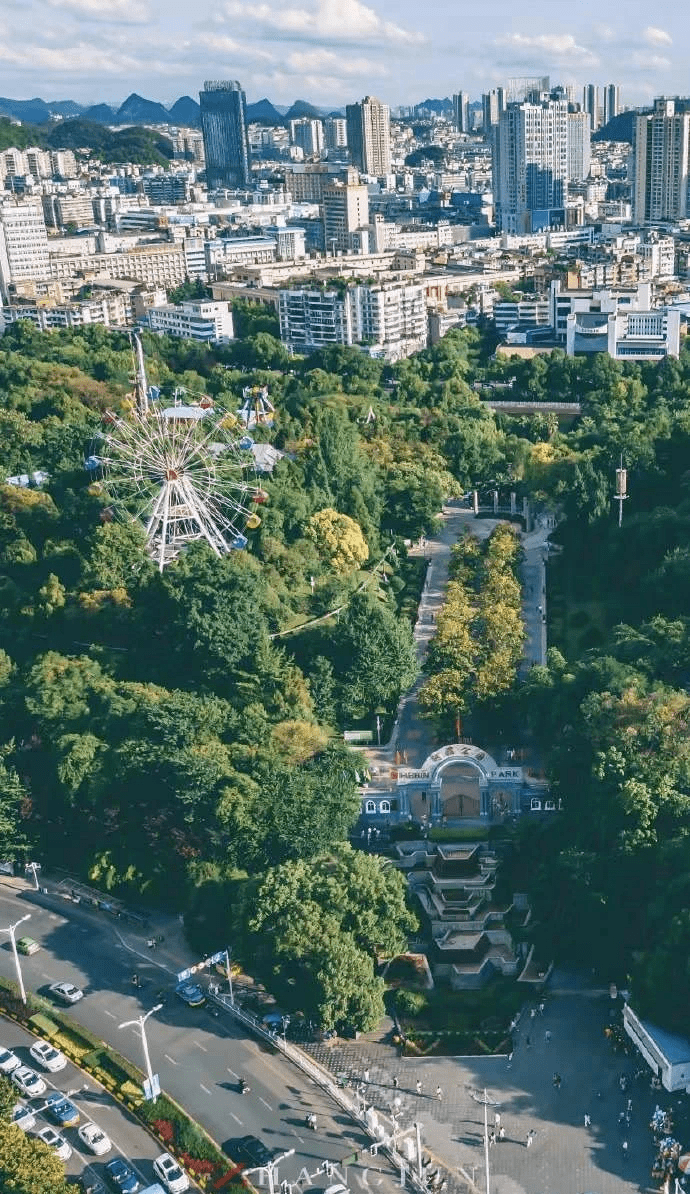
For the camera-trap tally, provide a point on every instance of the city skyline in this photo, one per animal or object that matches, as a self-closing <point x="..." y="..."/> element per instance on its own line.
<point x="334" y="51"/>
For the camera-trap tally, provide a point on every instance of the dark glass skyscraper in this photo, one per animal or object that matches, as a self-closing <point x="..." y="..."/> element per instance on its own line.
<point x="224" y="129"/>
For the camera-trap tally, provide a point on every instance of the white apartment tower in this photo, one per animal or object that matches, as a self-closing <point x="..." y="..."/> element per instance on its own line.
<point x="661" y="150"/>
<point x="23" y="244"/>
<point x="530" y="166"/>
<point x="369" y="136"/>
<point x="579" y="146"/>
<point x="388" y="319"/>
<point x="335" y="132"/>
<point x="308" y="135"/>
<point x="346" y="217"/>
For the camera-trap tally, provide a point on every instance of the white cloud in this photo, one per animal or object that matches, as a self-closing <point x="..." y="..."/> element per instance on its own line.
<point x="317" y="61"/>
<point x="134" y="11"/>
<point x="227" y="47"/>
<point x="333" y="20"/>
<point x="70" y="59"/>
<point x="657" y="37"/>
<point x="561" y="47"/>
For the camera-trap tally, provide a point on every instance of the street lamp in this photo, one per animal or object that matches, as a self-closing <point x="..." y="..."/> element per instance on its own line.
<point x="33" y="868"/>
<point x="286" y="1023"/>
<point x="271" y="1167"/>
<point x="141" y="1021"/>
<point x="484" y="1100"/>
<point x="11" y="929"/>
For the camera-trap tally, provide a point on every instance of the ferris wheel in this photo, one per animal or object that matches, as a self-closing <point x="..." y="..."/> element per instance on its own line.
<point x="181" y="471"/>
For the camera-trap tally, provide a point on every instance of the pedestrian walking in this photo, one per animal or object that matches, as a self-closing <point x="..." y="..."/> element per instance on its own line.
<point x="528" y="1041"/>
<point x="501" y="1133"/>
<point x="439" y="1093"/>
<point x="396" y="1082"/>
<point x="530" y="1138"/>
<point x="533" y="1012"/>
<point x="624" y="1147"/>
<point x="510" y="1060"/>
<point x="588" y="1120"/>
<point x="365" y="1076"/>
<point x="557" y="1081"/>
<point x="547" y="1036"/>
<point x="492" y="1137"/>
<point x="629" y="1106"/>
<point x="418" y="1087"/>
<point x="497" y="1120"/>
<point x="542" y="1005"/>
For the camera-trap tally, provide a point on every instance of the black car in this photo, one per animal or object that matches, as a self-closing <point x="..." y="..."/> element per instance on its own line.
<point x="121" y="1177"/>
<point x="253" y="1150"/>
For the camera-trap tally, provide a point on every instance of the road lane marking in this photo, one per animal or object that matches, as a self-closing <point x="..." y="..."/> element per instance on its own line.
<point x="233" y="1073"/>
<point x="204" y="1088"/>
<point x="297" y="1135"/>
<point x="111" y="1014"/>
<point x="170" y="1059"/>
<point x="48" y="976"/>
<point x="199" y="1046"/>
<point x="236" y="1119"/>
<point x="265" y="1103"/>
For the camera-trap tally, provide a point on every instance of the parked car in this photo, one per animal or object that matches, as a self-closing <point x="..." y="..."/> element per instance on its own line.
<point x="61" y="1110"/>
<point x="28" y="1081"/>
<point x="168" y="1171"/>
<point x="23" y="1117"/>
<point x="55" y="1141"/>
<point x="8" y="1061"/>
<point x="48" y="1057"/>
<point x="121" y="1177"/>
<point x="191" y="994"/>
<point x="27" y="945"/>
<point x="65" y="992"/>
<point x="253" y="1150"/>
<point x="95" y="1139"/>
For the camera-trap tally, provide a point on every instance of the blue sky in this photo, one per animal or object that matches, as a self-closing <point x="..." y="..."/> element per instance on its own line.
<point x="332" y="51"/>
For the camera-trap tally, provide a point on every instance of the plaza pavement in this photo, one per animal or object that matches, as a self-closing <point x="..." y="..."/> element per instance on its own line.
<point x="565" y="1157"/>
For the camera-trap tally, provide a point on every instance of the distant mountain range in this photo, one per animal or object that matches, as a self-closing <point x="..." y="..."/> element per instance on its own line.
<point x="138" y="110"/>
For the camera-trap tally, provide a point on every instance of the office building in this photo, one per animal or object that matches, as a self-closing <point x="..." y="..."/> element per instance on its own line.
<point x="493" y="104"/>
<point x="530" y="166"/>
<point x="612" y="101"/>
<point x="346" y="218"/>
<point x="23" y="244"/>
<point x="335" y="132"/>
<point x="620" y="322"/>
<point x="519" y="90"/>
<point x="386" y="319"/>
<point x="590" y="103"/>
<point x="61" y="210"/>
<point x="224" y="129"/>
<point x="207" y="321"/>
<point x="166" y="188"/>
<point x="308" y="135"/>
<point x="368" y="136"/>
<point x="579" y="146"/>
<point x="461" y="111"/>
<point x="660" y="162"/>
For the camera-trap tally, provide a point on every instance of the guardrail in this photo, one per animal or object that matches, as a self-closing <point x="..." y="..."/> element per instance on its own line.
<point x="383" y="1139"/>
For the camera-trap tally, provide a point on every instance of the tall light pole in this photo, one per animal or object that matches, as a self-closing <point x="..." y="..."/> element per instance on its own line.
<point x="141" y="1021"/>
<point x="482" y="1097"/>
<point x="11" y="929"/>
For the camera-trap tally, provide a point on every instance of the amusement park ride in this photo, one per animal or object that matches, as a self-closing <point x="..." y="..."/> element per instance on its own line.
<point x="184" y="471"/>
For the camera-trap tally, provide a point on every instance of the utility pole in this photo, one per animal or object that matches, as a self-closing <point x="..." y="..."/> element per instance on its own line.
<point x="483" y="1098"/>
<point x="228" y="972"/>
<point x="12" y="929"/>
<point x="152" y="1078"/>
<point x="621" y="489"/>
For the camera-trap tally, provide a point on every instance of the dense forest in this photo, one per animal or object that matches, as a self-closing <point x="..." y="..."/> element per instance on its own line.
<point x="164" y="735"/>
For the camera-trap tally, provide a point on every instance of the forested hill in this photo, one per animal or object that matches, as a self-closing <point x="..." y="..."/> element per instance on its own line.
<point x="157" y="738"/>
<point x="139" y="145"/>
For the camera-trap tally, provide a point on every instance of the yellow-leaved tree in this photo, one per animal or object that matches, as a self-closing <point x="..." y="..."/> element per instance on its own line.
<point x="338" y="539"/>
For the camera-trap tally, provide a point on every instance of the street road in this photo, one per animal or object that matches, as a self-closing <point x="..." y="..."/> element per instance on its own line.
<point x="128" y="1137"/>
<point x="199" y="1058"/>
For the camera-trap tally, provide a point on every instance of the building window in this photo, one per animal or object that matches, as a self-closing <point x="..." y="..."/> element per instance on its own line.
<point x="535" y="805"/>
<point x="370" y="806"/>
<point x="385" y="806"/>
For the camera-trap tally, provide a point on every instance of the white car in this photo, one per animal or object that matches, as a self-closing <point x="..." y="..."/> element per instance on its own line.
<point x="28" y="1081"/>
<point x="55" y="1141"/>
<point x="66" y="992"/>
<point x="95" y="1139"/>
<point x="48" y="1057"/>
<point x="23" y="1117"/>
<point x="168" y="1171"/>
<point x="8" y="1061"/>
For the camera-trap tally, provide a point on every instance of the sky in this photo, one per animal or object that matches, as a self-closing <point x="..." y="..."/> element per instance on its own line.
<point x="334" y="51"/>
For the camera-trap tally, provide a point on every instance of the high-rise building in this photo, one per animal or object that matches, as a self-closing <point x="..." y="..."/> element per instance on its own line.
<point x="368" y="136"/>
<point x="579" y="146"/>
<point x="461" y="111"/>
<point x="387" y="318"/>
<point x="308" y="135"/>
<point x="612" y="101"/>
<point x="346" y="217"/>
<point x="23" y="244"/>
<point x="590" y="103"/>
<point x="661" y="156"/>
<point x="519" y="90"/>
<point x="530" y="166"/>
<point x="493" y="104"/>
<point x="335" y="132"/>
<point x="224" y="128"/>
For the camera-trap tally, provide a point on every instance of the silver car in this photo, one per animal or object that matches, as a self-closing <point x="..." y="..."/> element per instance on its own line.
<point x="28" y="1082"/>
